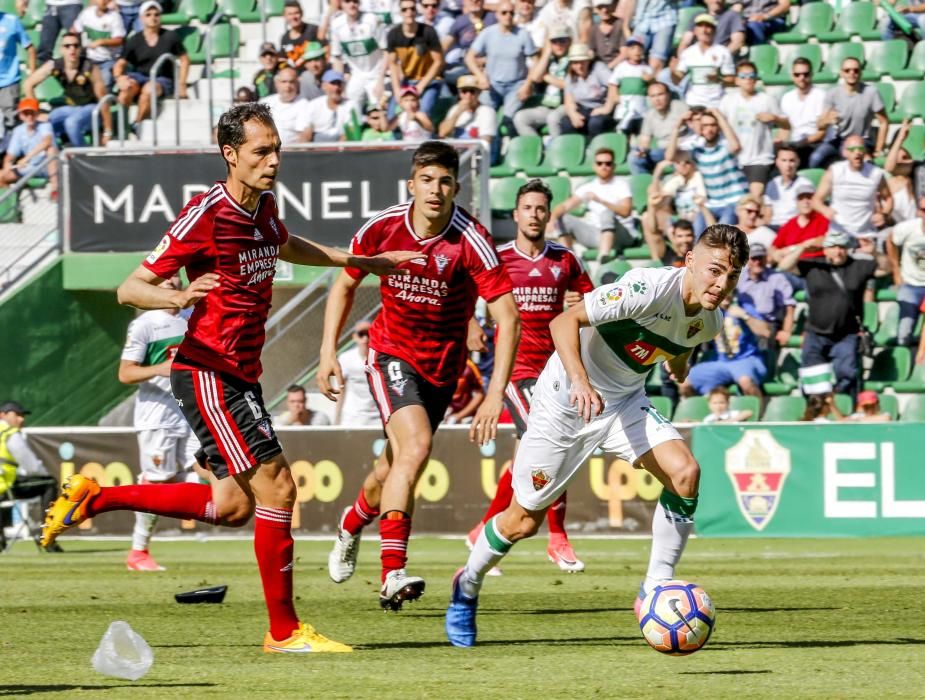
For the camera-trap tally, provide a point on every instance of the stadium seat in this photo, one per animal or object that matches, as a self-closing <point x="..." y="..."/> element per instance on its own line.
<point x="639" y="184"/>
<point x="565" y="152"/>
<point x="561" y="189"/>
<point x="639" y="252"/>
<point x="884" y="58"/>
<point x="692" y="409"/>
<point x="615" y="142"/>
<point x="33" y="17"/>
<point x="915" y="141"/>
<point x="766" y="60"/>
<point x="814" y="175"/>
<point x="49" y="90"/>
<point x="890" y="404"/>
<point x="373" y="135"/>
<point x="188" y="10"/>
<point x="522" y="152"/>
<point x="244" y="10"/>
<point x="912" y="102"/>
<point x="274" y="7"/>
<point x="786" y="378"/>
<point x="9" y="207"/>
<point x="844" y="403"/>
<point x="784" y="409"/>
<point x="685" y="15"/>
<point x="746" y="403"/>
<point x="888" y="327"/>
<point x="915" y="384"/>
<point x="503" y="195"/>
<point x="890" y="365"/>
<point x="888" y="97"/>
<point x="192" y="42"/>
<point x="811" y="52"/>
<point x="855" y="19"/>
<point x="815" y="19"/>
<point x="224" y="39"/>
<point x="662" y="404"/>
<point x="612" y="271"/>
<point x="871" y="317"/>
<point x="914" y="409"/>
<point x="838" y="53"/>
<point x="915" y="70"/>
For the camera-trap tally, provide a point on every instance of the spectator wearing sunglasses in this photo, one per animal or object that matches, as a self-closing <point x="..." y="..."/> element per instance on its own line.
<point x="850" y="109"/>
<point x="803" y="106"/>
<point x="355" y="404"/>
<point x="414" y="57"/>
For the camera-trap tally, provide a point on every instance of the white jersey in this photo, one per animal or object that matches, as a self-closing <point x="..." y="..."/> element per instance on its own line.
<point x="636" y="324"/>
<point x="359" y="44"/>
<point x="154" y="337"/>
<point x="359" y="405"/>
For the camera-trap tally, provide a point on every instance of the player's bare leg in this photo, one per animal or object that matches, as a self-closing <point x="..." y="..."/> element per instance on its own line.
<point x="672" y="464"/>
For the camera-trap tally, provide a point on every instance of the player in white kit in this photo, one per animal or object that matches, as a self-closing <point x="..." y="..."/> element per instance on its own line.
<point x="592" y="395"/>
<point x="166" y="445"/>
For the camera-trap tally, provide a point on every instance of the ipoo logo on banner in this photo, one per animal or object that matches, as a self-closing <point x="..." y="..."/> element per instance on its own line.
<point x="758" y="465"/>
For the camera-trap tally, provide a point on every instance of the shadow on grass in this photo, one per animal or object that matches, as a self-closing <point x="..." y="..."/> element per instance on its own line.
<point x="14" y="690"/>
<point x="811" y="644"/>
<point x="589" y="611"/>
<point x="723" y="673"/>
<point x="590" y="641"/>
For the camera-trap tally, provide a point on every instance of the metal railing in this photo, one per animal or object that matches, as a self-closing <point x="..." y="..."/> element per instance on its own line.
<point x="97" y="113"/>
<point x="176" y="100"/>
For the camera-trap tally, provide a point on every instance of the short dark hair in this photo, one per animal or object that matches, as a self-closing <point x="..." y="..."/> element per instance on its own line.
<point x="748" y="63"/>
<point x="535" y="185"/>
<point x="732" y="238"/>
<point x="295" y="388"/>
<point x="293" y="3"/>
<point x="75" y="35"/>
<point x="802" y="62"/>
<point x="787" y="146"/>
<point x="435" y="153"/>
<point x="605" y="150"/>
<point x="657" y="83"/>
<point x="230" y="130"/>
<point x="684" y="224"/>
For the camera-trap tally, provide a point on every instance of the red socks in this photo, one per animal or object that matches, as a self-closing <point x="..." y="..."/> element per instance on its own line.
<point x="555" y="518"/>
<point x="359" y="516"/>
<point x="394" y="530"/>
<point x="273" y="546"/>
<point x="182" y="501"/>
<point x="503" y="495"/>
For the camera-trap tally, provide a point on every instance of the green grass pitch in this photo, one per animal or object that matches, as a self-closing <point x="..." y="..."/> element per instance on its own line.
<point x="795" y="619"/>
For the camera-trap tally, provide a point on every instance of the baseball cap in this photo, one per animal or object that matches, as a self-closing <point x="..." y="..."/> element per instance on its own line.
<point x="14" y="407"/>
<point x="467" y="81"/>
<point x="805" y="188"/>
<point x="148" y="4"/>
<point x="757" y="250"/>
<point x="868" y="398"/>
<point x="639" y="41"/>
<point x="331" y="76"/>
<point x="267" y="47"/>
<point x="313" y="49"/>
<point x="704" y="18"/>
<point x="372" y="107"/>
<point x="598" y="3"/>
<point x="836" y="237"/>
<point x="28" y="103"/>
<point x="559" y="31"/>
<point x="408" y="90"/>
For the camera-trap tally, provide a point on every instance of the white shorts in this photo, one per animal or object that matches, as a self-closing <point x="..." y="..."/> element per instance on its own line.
<point x="558" y="441"/>
<point x="163" y="453"/>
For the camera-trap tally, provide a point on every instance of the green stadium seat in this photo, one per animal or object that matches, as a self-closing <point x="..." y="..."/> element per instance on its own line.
<point x="915" y="141"/>
<point x="799" y="321"/>
<point x="561" y="189"/>
<point x="915" y="384"/>
<point x="33" y="17"/>
<point x="890" y="404"/>
<point x="502" y="194"/>
<point x="612" y="271"/>
<point x="662" y="404"/>
<point x="373" y="135"/>
<point x="912" y="102"/>
<point x="188" y="10"/>
<point x="274" y="7"/>
<point x="746" y="403"/>
<point x="811" y="52"/>
<point x="888" y="97"/>
<point x="224" y="39"/>
<point x="838" y="53"/>
<point x="244" y="10"/>
<point x="884" y="58"/>
<point x="639" y="184"/>
<point x="21" y="52"/>
<point x="49" y="90"/>
<point x="814" y="175"/>
<point x="871" y="316"/>
<point x="844" y="404"/>
<point x="614" y="141"/>
<point x="815" y="18"/>
<point x="915" y="70"/>
<point x="638" y="252"/>
<point x="192" y="42"/>
<point x="786" y="378"/>
<point x="784" y="409"/>
<point x="914" y="409"/>
<point x="888" y="327"/>
<point x="522" y="152"/>
<point x="890" y="365"/>
<point x="685" y="16"/>
<point x="691" y="409"/>
<point x="565" y="152"/>
<point x="766" y="59"/>
<point x="9" y="207"/>
<point x="855" y="19"/>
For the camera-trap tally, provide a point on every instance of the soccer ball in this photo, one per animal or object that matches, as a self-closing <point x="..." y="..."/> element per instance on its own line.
<point x="677" y="618"/>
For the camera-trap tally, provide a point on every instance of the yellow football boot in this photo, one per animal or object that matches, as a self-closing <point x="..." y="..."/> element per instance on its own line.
<point x="304" y="640"/>
<point x="70" y="508"/>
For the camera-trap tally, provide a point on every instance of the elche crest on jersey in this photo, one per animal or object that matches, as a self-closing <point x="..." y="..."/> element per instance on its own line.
<point x="556" y="271"/>
<point x="442" y="261"/>
<point x="758" y="465"/>
<point x="694" y="327"/>
<point x="540" y="478"/>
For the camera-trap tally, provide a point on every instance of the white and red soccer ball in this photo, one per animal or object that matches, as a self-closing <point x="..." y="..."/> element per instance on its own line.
<point x="677" y="618"/>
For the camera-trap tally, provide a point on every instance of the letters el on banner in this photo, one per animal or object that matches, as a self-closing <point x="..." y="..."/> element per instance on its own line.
<point x="811" y="480"/>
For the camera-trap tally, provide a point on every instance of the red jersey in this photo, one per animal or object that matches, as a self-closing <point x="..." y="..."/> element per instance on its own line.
<point x="425" y="315"/>
<point x="216" y="234"/>
<point x="792" y="233"/>
<point x="540" y="285"/>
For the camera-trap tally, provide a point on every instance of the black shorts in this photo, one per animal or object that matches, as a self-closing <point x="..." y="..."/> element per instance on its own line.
<point x="396" y="384"/>
<point x="228" y="416"/>
<point x="758" y="173"/>
<point x="518" y="397"/>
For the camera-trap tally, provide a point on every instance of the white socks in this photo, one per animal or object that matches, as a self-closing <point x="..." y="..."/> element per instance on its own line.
<point x="489" y="549"/>
<point x="669" y="537"/>
<point x="144" y="527"/>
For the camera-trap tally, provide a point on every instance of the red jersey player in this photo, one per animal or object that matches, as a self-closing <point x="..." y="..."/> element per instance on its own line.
<point x="545" y="276"/>
<point x="417" y="349"/>
<point x="229" y="240"/>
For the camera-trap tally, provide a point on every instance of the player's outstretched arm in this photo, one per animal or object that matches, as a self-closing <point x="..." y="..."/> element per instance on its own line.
<point x="140" y="289"/>
<point x="565" y="335"/>
<point x="304" y="252"/>
<point x="485" y="424"/>
<point x="336" y="310"/>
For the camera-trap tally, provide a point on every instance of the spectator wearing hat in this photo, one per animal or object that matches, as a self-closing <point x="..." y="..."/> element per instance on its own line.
<point x="355" y="404"/>
<point x="868" y="409"/>
<point x="803" y="106"/>
<point x="906" y="248"/>
<point x="298" y="35"/>
<point x="10" y="74"/>
<point x="270" y="65"/>
<point x="548" y="73"/>
<point x="574" y="14"/>
<point x="780" y="194"/>
<point x="83" y="86"/>
<point x="658" y="125"/>
<point x="730" y="27"/>
<point x="105" y="34"/>
<point x="413" y="124"/>
<point x="607" y="34"/>
<point x="505" y="48"/>
<point x="30" y="144"/>
<point x="630" y="109"/>
<point x="330" y="113"/>
<point x="763" y="19"/>
<point x="377" y="124"/>
<point x="767" y="294"/>
<point x="860" y="199"/>
<point x="22" y="473"/>
<point x="836" y="287"/>
<point x="589" y="98"/>
<point x="801" y="237"/>
<point x="414" y="57"/>
<point x="468" y="118"/>
<point x="655" y="22"/>
<point x="142" y="50"/>
<point x="291" y="112"/>
<point x="357" y="48"/>
<point x="314" y="64"/>
<point x="709" y="65"/>
<point x="465" y="28"/>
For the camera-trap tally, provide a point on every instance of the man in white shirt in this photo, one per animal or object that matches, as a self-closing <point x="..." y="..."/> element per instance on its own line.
<point x="574" y="14"/>
<point x="908" y="270"/>
<point x="710" y="66"/>
<point x="607" y="223"/>
<point x="104" y="35"/>
<point x="329" y="114"/>
<point x="780" y="195"/>
<point x="468" y="119"/>
<point x="357" y="42"/>
<point x="803" y="107"/>
<point x="753" y="115"/>
<point x="290" y="111"/>
<point x="356" y="406"/>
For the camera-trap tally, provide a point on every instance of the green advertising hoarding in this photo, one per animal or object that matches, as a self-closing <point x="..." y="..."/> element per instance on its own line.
<point x="811" y="480"/>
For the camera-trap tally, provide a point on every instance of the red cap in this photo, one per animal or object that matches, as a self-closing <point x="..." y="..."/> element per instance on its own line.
<point x="409" y="90"/>
<point x="868" y="398"/>
<point x="27" y="103"/>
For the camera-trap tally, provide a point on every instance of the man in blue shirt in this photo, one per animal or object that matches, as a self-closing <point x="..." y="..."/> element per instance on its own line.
<point x="767" y="294"/>
<point x="12" y="36"/>
<point x="31" y="141"/>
